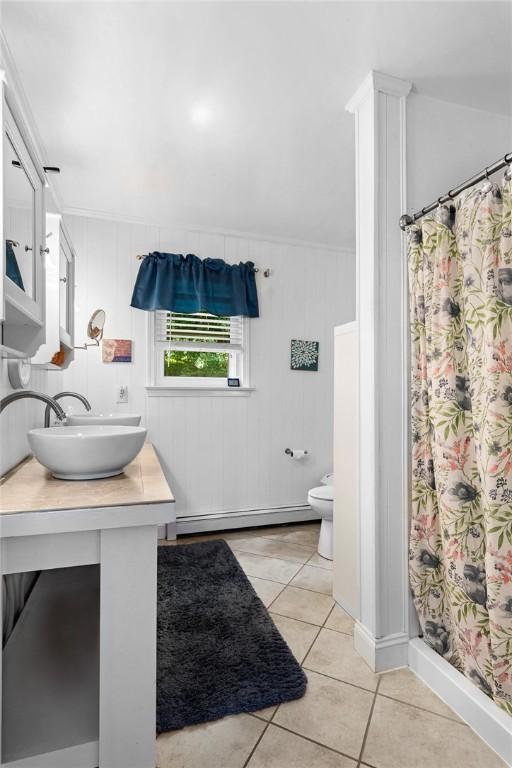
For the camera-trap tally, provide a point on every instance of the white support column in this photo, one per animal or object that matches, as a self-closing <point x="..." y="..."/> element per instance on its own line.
<point x="382" y="634"/>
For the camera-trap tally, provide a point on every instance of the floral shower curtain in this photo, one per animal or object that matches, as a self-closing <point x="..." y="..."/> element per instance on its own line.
<point x="460" y="272"/>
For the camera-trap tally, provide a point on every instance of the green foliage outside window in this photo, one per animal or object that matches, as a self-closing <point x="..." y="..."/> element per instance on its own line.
<point x="194" y="363"/>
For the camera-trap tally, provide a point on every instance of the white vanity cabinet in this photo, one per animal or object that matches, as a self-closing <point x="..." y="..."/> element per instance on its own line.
<point x="78" y="671"/>
<point x="57" y="351"/>
<point x="22" y="299"/>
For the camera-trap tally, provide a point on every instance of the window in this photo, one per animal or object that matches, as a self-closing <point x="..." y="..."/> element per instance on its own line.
<point x="199" y="350"/>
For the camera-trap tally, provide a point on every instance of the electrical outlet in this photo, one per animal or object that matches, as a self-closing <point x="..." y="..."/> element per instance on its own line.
<point x="122" y="394"/>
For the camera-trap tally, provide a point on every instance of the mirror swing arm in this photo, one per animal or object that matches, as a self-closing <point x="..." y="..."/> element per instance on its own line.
<point x="95" y="329"/>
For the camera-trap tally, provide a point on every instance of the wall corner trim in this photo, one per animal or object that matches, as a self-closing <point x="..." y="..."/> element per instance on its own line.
<point x="381" y="653"/>
<point x="378" y="81"/>
<point x="383" y="359"/>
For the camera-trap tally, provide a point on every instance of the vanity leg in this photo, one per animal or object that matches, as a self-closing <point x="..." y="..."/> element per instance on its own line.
<point x="128" y="647"/>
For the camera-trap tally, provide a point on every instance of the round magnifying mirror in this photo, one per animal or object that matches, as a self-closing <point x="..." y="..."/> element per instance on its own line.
<point x="95" y="326"/>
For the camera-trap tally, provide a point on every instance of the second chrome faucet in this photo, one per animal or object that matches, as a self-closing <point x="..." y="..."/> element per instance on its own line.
<point x="82" y="399"/>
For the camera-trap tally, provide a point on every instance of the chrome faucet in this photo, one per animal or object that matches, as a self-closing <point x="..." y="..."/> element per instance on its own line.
<point x="82" y="399"/>
<point x="19" y="394"/>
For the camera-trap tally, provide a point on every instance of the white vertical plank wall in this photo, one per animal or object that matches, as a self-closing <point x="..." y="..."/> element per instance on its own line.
<point x="222" y="454"/>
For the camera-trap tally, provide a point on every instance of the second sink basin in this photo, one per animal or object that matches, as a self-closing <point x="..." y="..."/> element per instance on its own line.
<point x="86" y="453"/>
<point x="115" y="419"/>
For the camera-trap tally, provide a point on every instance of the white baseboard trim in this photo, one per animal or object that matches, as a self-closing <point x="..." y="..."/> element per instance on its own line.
<point x="247" y="518"/>
<point x="381" y="653"/>
<point x="487" y="720"/>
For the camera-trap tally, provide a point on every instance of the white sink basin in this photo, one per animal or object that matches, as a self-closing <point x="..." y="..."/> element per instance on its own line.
<point x="86" y="453"/>
<point x="115" y="419"/>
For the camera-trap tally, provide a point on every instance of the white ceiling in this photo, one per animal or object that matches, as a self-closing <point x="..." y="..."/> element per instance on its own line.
<point x="231" y="115"/>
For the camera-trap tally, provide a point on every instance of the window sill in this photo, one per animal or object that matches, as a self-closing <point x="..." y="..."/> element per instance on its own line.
<point x="163" y="391"/>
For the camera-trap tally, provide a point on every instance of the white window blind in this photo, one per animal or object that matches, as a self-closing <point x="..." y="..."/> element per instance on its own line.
<point x="200" y="331"/>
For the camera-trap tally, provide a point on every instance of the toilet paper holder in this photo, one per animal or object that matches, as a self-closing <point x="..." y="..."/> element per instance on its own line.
<point x="289" y="452"/>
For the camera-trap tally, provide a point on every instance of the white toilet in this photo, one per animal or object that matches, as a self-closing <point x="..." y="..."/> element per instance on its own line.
<point x="321" y="500"/>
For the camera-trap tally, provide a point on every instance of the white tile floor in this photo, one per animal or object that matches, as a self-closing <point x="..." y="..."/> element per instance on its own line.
<point x="349" y="716"/>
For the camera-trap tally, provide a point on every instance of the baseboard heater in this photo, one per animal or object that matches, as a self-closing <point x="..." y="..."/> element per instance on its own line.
<point x="244" y="518"/>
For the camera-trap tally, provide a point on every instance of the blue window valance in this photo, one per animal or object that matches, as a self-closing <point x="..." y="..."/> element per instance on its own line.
<point x="188" y="284"/>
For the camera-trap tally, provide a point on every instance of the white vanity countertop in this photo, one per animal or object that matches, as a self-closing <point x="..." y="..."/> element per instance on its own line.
<point x="29" y="487"/>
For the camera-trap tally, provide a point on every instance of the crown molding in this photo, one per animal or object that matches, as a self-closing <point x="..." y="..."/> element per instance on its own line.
<point x="235" y="233"/>
<point x="381" y="82"/>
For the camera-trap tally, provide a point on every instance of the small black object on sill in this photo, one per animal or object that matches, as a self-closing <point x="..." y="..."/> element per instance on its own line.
<point x="233" y="382"/>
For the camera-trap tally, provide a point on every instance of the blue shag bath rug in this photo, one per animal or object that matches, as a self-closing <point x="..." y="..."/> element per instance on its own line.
<point x="218" y="651"/>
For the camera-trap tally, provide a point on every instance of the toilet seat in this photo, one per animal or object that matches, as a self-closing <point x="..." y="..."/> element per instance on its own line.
<point x="323" y="492"/>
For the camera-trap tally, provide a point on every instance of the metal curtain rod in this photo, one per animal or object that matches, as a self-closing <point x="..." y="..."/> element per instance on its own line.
<point x="406" y="220"/>
<point x="266" y="272"/>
